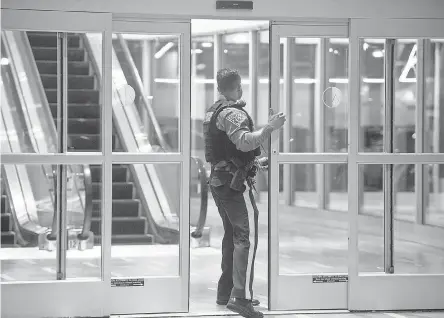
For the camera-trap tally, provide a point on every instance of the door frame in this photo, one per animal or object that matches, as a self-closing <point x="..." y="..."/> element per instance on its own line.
<point x="166" y="293"/>
<point x="73" y="297"/>
<point x="311" y="296"/>
<point x="384" y="291"/>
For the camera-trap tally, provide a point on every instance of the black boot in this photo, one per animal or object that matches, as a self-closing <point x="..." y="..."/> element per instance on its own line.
<point x="244" y="308"/>
<point x="224" y="302"/>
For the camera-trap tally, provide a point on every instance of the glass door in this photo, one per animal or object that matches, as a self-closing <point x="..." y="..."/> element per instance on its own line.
<point x="52" y="136"/>
<point x="308" y="166"/>
<point x="149" y="166"/>
<point x="396" y="165"/>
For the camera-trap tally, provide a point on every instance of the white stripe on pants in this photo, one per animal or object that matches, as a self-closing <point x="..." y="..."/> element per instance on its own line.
<point x="250" y="274"/>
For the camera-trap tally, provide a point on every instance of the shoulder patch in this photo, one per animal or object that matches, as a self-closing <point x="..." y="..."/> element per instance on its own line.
<point x="208" y="116"/>
<point x="237" y="117"/>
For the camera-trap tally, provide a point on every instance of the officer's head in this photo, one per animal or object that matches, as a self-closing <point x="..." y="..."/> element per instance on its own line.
<point x="229" y="84"/>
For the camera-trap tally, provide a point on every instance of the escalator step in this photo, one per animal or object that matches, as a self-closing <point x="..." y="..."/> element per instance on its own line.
<point x="4" y="202"/>
<point x="6" y="222"/>
<point x="49" y="39"/>
<point x="8" y="238"/>
<point x="49" y="81"/>
<point x="121" y="208"/>
<point x="79" y="110"/>
<point x="83" y="126"/>
<point x="74" y="68"/>
<point x="50" y="54"/>
<point x="126" y="225"/>
<point x="119" y="173"/>
<point x="122" y="190"/>
<point x="76" y="96"/>
<point x="85" y="142"/>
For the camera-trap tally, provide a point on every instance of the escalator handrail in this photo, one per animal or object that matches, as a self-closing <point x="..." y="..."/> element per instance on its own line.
<point x="139" y="90"/>
<point x="202" y="177"/>
<point x="87" y="177"/>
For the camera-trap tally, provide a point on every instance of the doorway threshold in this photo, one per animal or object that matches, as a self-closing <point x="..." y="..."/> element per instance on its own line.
<point x="223" y="313"/>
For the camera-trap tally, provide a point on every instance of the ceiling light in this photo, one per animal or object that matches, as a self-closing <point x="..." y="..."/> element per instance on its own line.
<point x="377" y="54"/>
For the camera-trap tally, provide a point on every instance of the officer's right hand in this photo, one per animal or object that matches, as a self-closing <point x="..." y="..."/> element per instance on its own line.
<point x="277" y="120"/>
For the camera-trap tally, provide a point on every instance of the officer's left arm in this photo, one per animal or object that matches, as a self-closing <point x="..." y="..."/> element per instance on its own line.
<point x="236" y="125"/>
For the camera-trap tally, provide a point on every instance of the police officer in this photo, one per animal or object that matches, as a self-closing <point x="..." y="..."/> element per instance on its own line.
<point x="231" y="146"/>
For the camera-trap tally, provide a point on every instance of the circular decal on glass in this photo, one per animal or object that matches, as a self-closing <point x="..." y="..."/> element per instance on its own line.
<point x="332" y="97"/>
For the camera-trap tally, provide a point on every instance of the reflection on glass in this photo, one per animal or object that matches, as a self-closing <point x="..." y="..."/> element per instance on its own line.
<point x="371" y="56"/>
<point x="371" y="221"/>
<point x="311" y="239"/>
<point x="318" y="98"/>
<point x="29" y="227"/>
<point x="145" y="225"/>
<point x="146" y="86"/>
<point x="433" y="195"/>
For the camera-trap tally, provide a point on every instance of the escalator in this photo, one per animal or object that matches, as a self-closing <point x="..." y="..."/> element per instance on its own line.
<point x="140" y="211"/>
<point x="8" y="238"/>
<point x="129" y="225"/>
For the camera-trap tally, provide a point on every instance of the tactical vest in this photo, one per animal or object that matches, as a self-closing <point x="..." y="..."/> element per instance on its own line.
<point x="218" y="146"/>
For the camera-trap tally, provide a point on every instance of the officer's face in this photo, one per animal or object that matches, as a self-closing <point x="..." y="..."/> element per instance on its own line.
<point x="236" y="92"/>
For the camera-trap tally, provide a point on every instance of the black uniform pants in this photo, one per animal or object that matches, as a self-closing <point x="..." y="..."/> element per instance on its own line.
<point x="237" y="253"/>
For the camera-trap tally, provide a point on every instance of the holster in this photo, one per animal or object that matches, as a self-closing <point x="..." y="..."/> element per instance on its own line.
<point x="243" y="171"/>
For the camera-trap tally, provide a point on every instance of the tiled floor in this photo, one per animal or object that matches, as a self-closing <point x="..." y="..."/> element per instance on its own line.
<point x="311" y="241"/>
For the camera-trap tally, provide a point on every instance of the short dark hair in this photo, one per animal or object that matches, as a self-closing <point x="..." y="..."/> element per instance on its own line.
<point x="225" y="79"/>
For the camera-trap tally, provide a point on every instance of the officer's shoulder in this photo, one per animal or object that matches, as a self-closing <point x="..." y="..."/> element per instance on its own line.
<point x="234" y="115"/>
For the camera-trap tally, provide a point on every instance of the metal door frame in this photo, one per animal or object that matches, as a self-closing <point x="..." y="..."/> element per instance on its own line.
<point x="72" y="297"/>
<point x="381" y="291"/>
<point x="309" y="296"/>
<point x="167" y="293"/>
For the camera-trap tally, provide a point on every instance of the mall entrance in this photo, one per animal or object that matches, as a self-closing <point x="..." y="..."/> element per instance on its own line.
<point x="104" y="178"/>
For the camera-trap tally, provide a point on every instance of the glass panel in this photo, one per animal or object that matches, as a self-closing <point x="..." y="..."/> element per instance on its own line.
<point x="203" y="88"/>
<point x="311" y="238"/>
<point x="22" y="66"/>
<point x="29" y="225"/>
<point x="146" y="92"/>
<point x="433" y="195"/>
<point x="84" y="90"/>
<point x="404" y="77"/>
<point x="404" y="192"/>
<point x="434" y="100"/>
<point x="370" y="220"/>
<point x="418" y="248"/>
<point x="235" y="55"/>
<point x="145" y="225"/>
<point x="84" y="257"/>
<point x="371" y="56"/>
<point x="337" y="199"/>
<point x="263" y="73"/>
<point x="318" y="97"/>
<point x="335" y="96"/>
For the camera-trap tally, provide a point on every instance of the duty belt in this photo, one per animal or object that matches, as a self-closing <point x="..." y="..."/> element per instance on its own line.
<point x="240" y="173"/>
